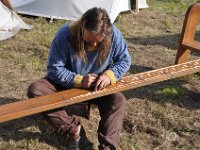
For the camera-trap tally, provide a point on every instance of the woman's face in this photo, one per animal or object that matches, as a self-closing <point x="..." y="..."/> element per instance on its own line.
<point x="91" y="38"/>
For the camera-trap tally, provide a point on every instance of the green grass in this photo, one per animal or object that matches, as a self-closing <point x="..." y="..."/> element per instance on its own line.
<point x="170" y="6"/>
<point x="169" y="24"/>
<point x="30" y="62"/>
<point x="31" y="46"/>
<point x="173" y="91"/>
<point x="25" y="60"/>
<point x="43" y="31"/>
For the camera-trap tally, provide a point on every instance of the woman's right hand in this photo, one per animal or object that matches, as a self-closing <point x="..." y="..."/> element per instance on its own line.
<point x="89" y="80"/>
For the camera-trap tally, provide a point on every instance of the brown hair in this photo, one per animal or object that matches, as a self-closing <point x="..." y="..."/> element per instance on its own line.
<point x="97" y="20"/>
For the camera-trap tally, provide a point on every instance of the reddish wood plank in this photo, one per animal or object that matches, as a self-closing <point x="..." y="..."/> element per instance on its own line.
<point x="72" y="96"/>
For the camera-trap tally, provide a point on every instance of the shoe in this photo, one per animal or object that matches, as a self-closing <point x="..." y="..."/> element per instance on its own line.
<point x="77" y="140"/>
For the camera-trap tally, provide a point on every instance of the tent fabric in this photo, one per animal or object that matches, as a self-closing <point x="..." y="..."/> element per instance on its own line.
<point x="69" y="9"/>
<point x="142" y="4"/>
<point x="10" y="23"/>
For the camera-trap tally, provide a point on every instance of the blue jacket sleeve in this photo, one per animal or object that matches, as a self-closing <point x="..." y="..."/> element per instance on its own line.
<point x="57" y="61"/>
<point x="121" y="56"/>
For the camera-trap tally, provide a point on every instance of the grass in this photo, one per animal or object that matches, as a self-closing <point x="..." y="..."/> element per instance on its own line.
<point x="26" y="144"/>
<point x="41" y="35"/>
<point x="169" y="24"/>
<point x="170" y="6"/>
<point x="193" y="76"/>
<point x="158" y="112"/>
<point x="30" y="62"/>
<point x="129" y="143"/>
<point x="31" y="46"/>
<point x="172" y="91"/>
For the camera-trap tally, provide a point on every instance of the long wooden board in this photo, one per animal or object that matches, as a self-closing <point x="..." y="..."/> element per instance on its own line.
<point x="72" y="96"/>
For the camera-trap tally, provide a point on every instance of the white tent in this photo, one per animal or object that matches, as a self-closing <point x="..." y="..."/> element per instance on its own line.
<point x="10" y="23"/>
<point x="69" y="9"/>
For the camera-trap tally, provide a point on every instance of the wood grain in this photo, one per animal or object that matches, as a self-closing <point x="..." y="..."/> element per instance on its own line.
<point x="35" y="105"/>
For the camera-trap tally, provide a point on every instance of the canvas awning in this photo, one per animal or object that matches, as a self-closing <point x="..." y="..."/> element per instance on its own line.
<point x="69" y="9"/>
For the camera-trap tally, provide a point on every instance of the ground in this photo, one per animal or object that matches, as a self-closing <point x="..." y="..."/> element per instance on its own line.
<point x="161" y="116"/>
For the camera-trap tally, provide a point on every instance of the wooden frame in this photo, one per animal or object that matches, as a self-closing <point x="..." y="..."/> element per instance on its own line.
<point x="187" y="42"/>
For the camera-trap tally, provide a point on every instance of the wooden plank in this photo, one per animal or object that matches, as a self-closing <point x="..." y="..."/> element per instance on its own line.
<point x="72" y="96"/>
<point x="192" y="45"/>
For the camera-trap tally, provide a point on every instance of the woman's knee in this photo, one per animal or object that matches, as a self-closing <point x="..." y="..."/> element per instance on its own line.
<point x="33" y="89"/>
<point x="39" y="88"/>
<point x="119" y="98"/>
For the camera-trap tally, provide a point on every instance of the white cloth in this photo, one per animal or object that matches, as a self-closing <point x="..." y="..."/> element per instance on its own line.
<point x="69" y="9"/>
<point x="142" y="4"/>
<point x="10" y="23"/>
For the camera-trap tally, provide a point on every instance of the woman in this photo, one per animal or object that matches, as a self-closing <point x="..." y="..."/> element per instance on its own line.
<point x="89" y="53"/>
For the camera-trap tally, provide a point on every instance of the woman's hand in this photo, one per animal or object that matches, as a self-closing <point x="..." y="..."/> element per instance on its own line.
<point x="102" y="82"/>
<point x="89" y="80"/>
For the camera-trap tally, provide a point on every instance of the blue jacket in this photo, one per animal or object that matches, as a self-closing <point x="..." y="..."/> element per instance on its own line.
<point x="63" y="66"/>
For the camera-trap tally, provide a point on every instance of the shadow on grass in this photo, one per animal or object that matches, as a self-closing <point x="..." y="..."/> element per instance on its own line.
<point x="190" y="98"/>
<point x="139" y="69"/>
<point x="17" y="130"/>
<point x="170" y="41"/>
